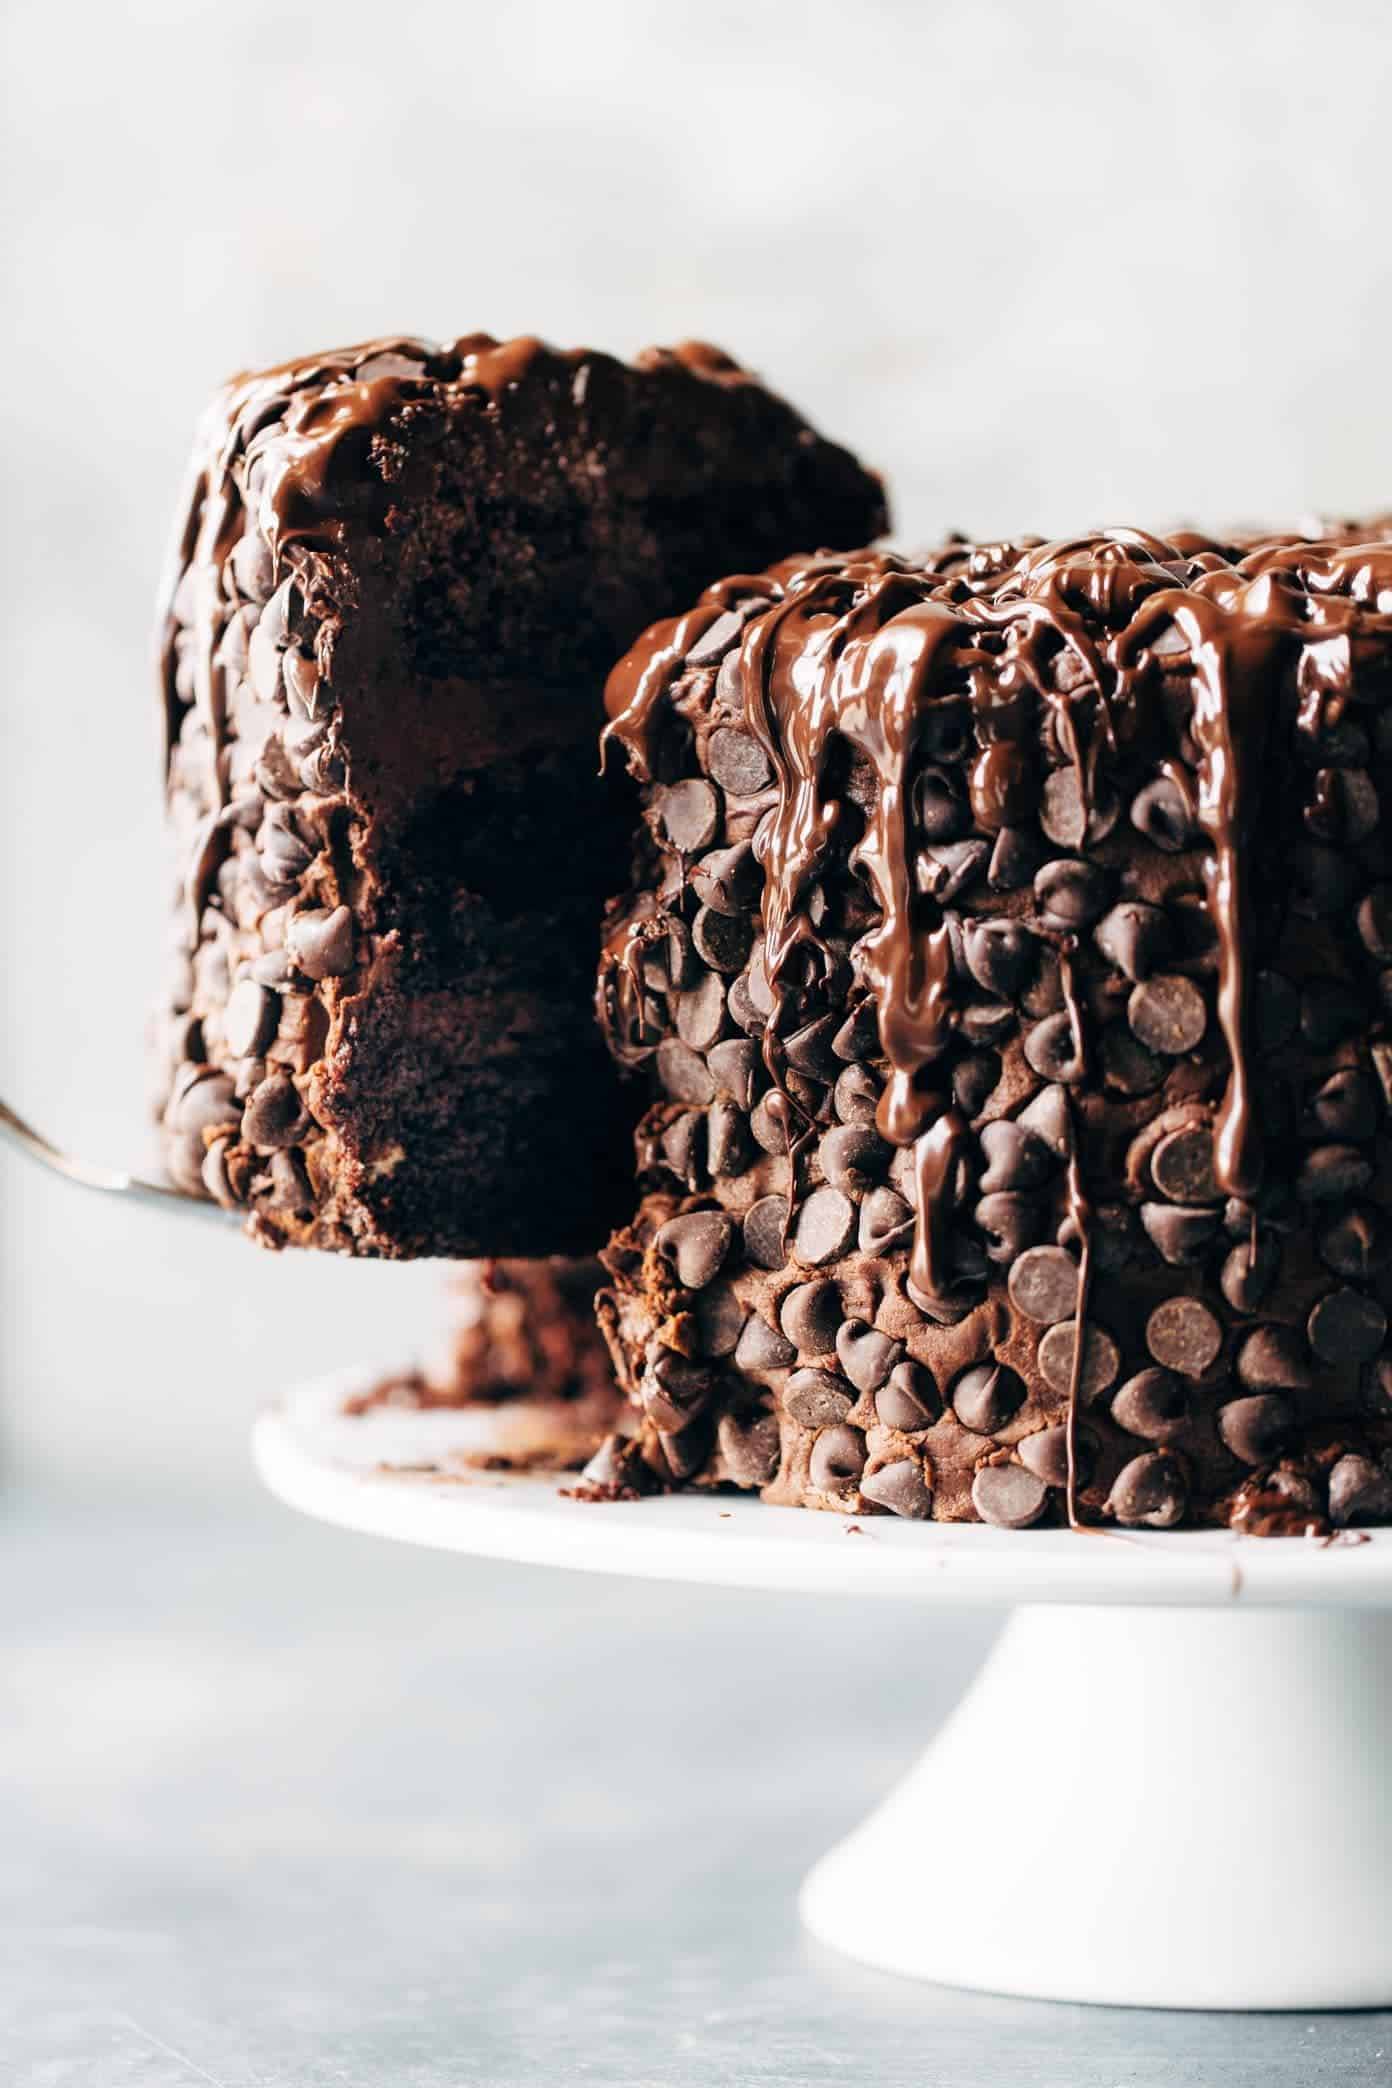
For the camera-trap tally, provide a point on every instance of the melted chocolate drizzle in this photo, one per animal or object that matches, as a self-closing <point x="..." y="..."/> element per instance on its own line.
<point x="1115" y="642"/>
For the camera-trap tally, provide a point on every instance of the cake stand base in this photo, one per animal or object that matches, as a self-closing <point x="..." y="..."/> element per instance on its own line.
<point x="1170" y="1787"/>
<point x="1165" y="1807"/>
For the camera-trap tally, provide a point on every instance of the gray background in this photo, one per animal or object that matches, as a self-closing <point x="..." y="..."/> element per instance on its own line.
<point x="281" y="1806"/>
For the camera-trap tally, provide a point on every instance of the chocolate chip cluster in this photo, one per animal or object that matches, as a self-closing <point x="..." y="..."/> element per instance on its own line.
<point x="1125" y="1323"/>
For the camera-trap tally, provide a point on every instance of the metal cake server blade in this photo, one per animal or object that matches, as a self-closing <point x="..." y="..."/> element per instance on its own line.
<point x="160" y="1195"/>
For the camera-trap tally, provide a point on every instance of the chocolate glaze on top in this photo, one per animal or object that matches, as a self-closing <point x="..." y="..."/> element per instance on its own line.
<point x="1119" y="644"/>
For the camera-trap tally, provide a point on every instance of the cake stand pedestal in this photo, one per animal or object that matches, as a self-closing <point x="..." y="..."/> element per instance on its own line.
<point x="1170" y="1784"/>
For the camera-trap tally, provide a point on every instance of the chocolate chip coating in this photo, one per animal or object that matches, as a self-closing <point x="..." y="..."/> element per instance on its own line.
<point x="690" y="813"/>
<point x="1162" y="813"/>
<point x="1184" y="1336"/>
<point x="1167" y="1014"/>
<point x="697" y="1244"/>
<point x="810" y="1316"/>
<point x="1101" y="1360"/>
<point x="1271" y="1359"/>
<point x="762" y="1347"/>
<point x="901" y="1488"/>
<point x="837" y="1460"/>
<point x="1181" y="1166"/>
<point x="1359" y="1492"/>
<point x="908" y="1399"/>
<point x="1357" y="1242"/>
<point x="986" y="1397"/>
<point x="1151" y="1492"/>
<point x="1133" y="937"/>
<point x="1346" y="1326"/>
<point x="1071" y="893"/>
<point x="738" y="763"/>
<point x="765" y="1231"/>
<point x="750" y="1448"/>
<point x="817" y="1398"/>
<point x="1255" y="1428"/>
<point x="825" y="1226"/>
<point x="1153" y="1404"/>
<point x="1043" y="1284"/>
<point x="1009" y="1495"/>
<point x="866" y="1355"/>
<point x="1248" y="1274"/>
<point x="853" y="1158"/>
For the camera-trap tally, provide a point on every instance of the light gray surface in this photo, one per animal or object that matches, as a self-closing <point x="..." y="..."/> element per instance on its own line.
<point x="286" y="1808"/>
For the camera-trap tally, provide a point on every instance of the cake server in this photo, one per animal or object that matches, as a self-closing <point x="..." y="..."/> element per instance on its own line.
<point x="113" y="1181"/>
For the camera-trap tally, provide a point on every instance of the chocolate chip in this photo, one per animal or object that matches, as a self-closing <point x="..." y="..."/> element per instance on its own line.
<point x="1332" y="1171"/>
<point x="617" y="1469"/>
<point x="1016" y="1156"/>
<point x="1133" y="937"/>
<point x="816" y="1398"/>
<point x="250" y="1019"/>
<point x="1345" y="1106"/>
<point x="1049" y="1117"/>
<point x="1150" y="1491"/>
<point x="1374" y="920"/>
<point x="738" y="763"/>
<point x="866" y="1356"/>
<point x="1101" y="1360"/>
<point x="215" y="1175"/>
<point x="682" y="1073"/>
<point x="946" y="872"/>
<point x="1071" y="893"/>
<point x="701" y="1013"/>
<point x="940" y="810"/>
<point x="1330" y="1010"/>
<point x="1152" y="1404"/>
<point x="281" y="849"/>
<point x="1346" y="1327"/>
<point x="1273" y="1359"/>
<point x="697" y="1244"/>
<point x="1179" y="1233"/>
<point x="1322" y="881"/>
<point x="684" y="1147"/>
<point x="1009" y="1496"/>
<point x="908" y="1400"/>
<point x="1001" y="956"/>
<point x="1247" y="1277"/>
<point x="1052" y="1050"/>
<point x="859" y="1035"/>
<point x="885" y="1221"/>
<point x="1161" y="812"/>
<point x="1167" y="1014"/>
<point x="1067" y="818"/>
<point x="274" y="1115"/>
<point x="1357" y="1243"/>
<point x="1011" y="1223"/>
<point x="1014" y="859"/>
<point x="729" y="1147"/>
<point x="749" y="1447"/>
<point x="765" y="1228"/>
<point x="1044" y="994"/>
<point x="901" y="1488"/>
<point x="1255" y="1428"/>
<point x="986" y="1397"/>
<point x="986" y="1022"/>
<point x="728" y="879"/>
<point x="253" y="567"/>
<point x="769" y="1122"/>
<point x="810" y="1051"/>
<point x="674" y="1388"/>
<point x="722" y="940"/>
<point x="837" y="1460"/>
<point x="810" y="1315"/>
<point x="1359" y="1492"/>
<point x="856" y="1095"/>
<point x="1275" y="1010"/>
<point x="719" y="1318"/>
<point x="974" y="1079"/>
<point x="1342" y="806"/>
<point x="1045" y="1453"/>
<point x="691" y="814"/>
<point x="320" y="940"/>
<point x="1181" y="1166"/>
<point x="825" y="1227"/>
<point x="1043" y="1285"/>
<point x="735" y="1068"/>
<point x="1183" y="1335"/>
<point x="761" y="1347"/>
<point x="853" y="1157"/>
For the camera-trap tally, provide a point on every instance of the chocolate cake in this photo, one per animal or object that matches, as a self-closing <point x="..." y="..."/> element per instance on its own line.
<point x="403" y="573"/>
<point x="1010" y="956"/>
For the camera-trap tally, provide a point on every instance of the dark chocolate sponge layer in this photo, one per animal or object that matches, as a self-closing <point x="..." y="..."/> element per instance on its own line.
<point x="1011" y="953"/>
<point x="403" y="572"/>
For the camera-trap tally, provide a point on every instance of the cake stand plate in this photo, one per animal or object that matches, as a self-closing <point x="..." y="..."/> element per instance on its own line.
<point x="1169" y="1785"/>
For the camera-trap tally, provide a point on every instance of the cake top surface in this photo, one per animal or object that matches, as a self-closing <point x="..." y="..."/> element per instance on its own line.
<point x="986" y="673"/>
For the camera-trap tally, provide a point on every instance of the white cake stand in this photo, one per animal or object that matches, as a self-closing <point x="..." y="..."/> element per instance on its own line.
<point x="1171" y="1783"/>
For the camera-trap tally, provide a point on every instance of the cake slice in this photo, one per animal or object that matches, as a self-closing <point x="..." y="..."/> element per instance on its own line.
<point x="1011" y="958"/>
<point x="403" y="573"/>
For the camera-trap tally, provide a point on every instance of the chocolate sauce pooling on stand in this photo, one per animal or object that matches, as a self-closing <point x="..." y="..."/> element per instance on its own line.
<point x="1089" y="662"/>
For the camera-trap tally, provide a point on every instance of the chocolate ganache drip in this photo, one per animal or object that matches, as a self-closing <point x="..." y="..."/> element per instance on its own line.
<point x="1180" y="660"/>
